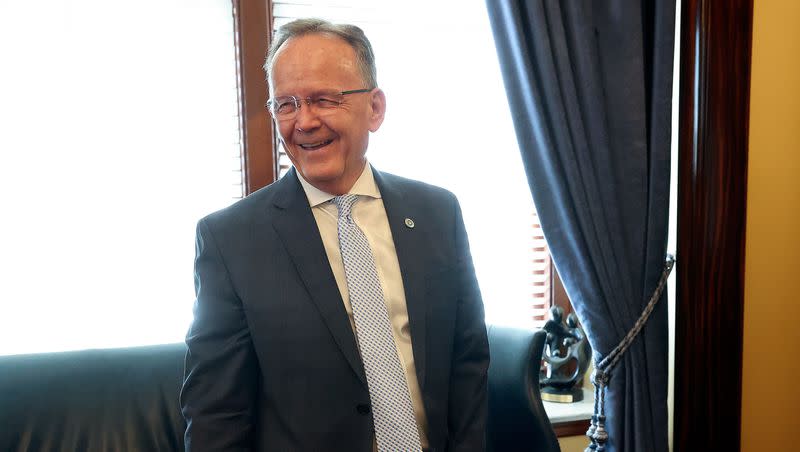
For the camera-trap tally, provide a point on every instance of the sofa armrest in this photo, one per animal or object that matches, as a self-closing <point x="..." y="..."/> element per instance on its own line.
<point x="111" y="400"/>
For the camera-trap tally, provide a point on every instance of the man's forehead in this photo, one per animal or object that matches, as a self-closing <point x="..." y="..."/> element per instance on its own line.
<point x="320" y="45"/>
<point x="314" y="59"/>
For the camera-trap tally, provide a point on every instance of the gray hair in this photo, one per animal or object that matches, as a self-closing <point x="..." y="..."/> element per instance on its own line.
<point x="351" y="34"/>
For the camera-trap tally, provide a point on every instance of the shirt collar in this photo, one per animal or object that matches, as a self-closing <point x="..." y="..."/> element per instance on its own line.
<point x="365" y="186"/>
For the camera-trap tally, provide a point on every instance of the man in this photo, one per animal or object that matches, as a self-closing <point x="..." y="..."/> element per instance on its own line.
<point x="337" y="309"/>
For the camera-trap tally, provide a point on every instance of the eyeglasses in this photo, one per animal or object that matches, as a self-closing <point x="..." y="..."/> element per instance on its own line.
<point x="284" y="108"/>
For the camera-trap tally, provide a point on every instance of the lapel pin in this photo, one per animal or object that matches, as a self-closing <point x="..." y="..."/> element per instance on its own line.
<point x="409" y="223"/>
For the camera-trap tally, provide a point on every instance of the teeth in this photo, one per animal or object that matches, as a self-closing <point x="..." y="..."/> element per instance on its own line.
<point x="314" y="145"/>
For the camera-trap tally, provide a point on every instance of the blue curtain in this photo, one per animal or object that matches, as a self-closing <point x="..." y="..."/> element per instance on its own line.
<point x="589" y="84"/>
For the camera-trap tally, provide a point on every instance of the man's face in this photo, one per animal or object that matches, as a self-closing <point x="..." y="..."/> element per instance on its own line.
<point x="327" y="150"/>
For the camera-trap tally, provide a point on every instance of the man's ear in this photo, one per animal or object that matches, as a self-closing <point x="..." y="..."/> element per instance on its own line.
<point x="377" y="109"/>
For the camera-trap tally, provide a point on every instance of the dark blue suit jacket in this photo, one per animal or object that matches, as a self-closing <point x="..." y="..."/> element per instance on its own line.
<point x="273" y="364"/>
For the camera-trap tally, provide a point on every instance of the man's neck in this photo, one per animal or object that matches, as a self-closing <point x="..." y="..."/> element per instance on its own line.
<point x="337" y="187"/>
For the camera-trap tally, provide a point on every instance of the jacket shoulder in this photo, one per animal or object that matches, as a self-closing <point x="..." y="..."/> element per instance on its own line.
<point x="413" y="189"/>
<point x="246" y="208"/>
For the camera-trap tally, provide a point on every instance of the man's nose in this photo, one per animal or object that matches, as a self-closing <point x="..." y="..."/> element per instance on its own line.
<point x="307" y="117"/>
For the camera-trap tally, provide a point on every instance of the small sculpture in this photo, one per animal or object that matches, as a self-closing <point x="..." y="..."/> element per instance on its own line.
<point x="566" y="357"/>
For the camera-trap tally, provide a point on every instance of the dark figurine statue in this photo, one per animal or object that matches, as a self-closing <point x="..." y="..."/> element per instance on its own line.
<point x="566" y="357"/>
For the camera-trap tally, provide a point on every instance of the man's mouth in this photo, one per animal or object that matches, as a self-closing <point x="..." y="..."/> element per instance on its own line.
<point x="316" y="145"/>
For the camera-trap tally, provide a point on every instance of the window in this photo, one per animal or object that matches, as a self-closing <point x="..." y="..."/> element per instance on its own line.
<point x="120" y="130"/>
<point x="116" y="141"/>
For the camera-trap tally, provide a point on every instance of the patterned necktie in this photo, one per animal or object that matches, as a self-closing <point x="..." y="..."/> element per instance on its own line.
<point x="392" y="411"/>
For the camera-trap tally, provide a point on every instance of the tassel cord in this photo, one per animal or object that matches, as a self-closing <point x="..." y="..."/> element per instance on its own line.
<point x="602" y="372"/>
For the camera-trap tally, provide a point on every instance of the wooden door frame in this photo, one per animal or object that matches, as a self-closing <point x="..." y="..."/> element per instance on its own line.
<point x="715" y="42"/>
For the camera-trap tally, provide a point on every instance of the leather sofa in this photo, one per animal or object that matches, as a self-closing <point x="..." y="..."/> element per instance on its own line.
<point x="127" y="399"/>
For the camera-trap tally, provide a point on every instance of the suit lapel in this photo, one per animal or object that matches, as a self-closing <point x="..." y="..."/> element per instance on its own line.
<point x="298" y="230"/>
<point x="408" y="244"/>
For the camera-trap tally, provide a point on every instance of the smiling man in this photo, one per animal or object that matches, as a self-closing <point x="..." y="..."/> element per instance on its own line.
<point x="337" y="309"/>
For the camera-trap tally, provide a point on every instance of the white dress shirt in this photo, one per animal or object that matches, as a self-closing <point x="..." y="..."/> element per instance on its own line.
<point x="370" y="215"/>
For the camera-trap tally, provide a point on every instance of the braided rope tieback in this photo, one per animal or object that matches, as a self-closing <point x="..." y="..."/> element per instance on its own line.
<point x="597" y="432"/>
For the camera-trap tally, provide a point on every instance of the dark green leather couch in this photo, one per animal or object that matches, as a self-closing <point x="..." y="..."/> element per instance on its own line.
<point x="120" y="400"/>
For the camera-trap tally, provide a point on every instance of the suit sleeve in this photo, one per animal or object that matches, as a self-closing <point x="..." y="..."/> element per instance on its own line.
<point x="468" y="403"/>
<point x="221" y="373"/>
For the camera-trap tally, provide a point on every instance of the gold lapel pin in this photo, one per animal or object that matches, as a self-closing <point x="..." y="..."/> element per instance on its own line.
<point x="409" y="223"/>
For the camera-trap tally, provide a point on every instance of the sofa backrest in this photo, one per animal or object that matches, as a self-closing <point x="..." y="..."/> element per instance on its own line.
<point x="126" y="400"/>
<point x="93" y="400"/>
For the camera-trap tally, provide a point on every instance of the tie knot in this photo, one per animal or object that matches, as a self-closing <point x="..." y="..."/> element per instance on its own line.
<point x="344" y="203"/>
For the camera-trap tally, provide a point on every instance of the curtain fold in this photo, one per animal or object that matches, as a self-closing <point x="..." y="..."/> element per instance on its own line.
<point x="589" y="84"/>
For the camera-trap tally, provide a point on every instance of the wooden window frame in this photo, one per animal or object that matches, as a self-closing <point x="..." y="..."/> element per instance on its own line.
<point x="252" y="33"/>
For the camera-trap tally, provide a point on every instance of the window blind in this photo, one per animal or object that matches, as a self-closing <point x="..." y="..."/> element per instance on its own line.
<point x="541" y="274"/>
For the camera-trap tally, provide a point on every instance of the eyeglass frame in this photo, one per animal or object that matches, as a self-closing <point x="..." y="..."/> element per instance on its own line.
<point x="309" y="101"/>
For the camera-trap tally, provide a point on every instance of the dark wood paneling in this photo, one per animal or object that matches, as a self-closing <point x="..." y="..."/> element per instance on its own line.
<point x="715" y="41"/>
<point x="253" y="30"/>
<point x="571" y="428"/>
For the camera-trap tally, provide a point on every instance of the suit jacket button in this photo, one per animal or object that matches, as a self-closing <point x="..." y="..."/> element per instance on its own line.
<point x="362" y="408"/>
